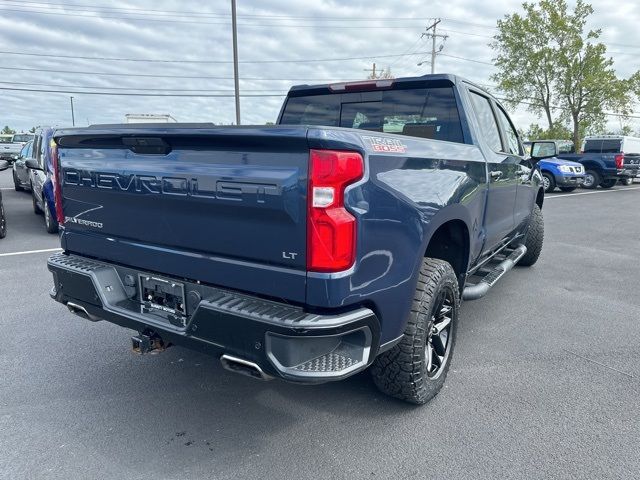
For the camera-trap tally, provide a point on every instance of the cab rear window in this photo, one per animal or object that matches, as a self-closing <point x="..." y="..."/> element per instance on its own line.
<point x="602" y="146"/>
<point x="424" y="112"/>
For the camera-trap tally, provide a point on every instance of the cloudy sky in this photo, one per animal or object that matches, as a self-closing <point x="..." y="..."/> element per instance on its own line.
<point x="183" y="48"/>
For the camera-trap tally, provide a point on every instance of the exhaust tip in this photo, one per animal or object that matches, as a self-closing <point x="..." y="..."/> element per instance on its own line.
<point x="81" y="312"/>
<point x="243" y="367"/>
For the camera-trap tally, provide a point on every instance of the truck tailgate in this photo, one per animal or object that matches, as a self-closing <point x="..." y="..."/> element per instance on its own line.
<point x="222" y="205"/>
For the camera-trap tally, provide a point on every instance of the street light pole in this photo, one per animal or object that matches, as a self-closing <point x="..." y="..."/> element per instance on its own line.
<point x="73" y="118"/>
<point x="235" y="59"/>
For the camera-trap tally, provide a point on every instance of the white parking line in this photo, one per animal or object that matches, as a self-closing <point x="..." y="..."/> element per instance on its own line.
<point x="26" y="252"/>
<point x="591" y="193"/>
<point x="6" y="188"/>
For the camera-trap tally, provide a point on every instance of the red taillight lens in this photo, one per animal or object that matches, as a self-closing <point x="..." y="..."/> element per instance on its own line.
<point x="331" y="229"/>
<point x="56" y="181"/>
<point x="620" y="161"/>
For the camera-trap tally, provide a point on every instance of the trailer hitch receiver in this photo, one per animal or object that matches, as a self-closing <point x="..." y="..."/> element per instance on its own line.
<point x="148" y="342"/>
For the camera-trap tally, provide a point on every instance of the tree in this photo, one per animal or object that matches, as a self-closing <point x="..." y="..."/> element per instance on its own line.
<point x="559" y="131"/>
<point x="525" y="61"/>
<point x="547" y="61"/>
<point x="32" y="130"/>
<point x="7" y="131"/>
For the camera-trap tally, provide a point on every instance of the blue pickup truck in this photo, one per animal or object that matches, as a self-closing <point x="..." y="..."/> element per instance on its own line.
<point x="607" y="159"/>
<point x="344" y="237"/>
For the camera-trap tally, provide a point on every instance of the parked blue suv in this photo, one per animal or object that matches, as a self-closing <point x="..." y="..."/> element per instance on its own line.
<point x="558" y="172"/>
<point x="40" y="176"/>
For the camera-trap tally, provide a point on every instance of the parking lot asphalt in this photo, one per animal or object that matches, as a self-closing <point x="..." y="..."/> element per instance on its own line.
<point x="545" y="380"/>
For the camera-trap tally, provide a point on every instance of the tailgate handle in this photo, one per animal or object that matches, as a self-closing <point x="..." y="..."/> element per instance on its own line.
<point x="147" y="145"/>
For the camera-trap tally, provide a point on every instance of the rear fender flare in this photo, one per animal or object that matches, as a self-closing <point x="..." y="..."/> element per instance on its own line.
<point x="444" y="215"/>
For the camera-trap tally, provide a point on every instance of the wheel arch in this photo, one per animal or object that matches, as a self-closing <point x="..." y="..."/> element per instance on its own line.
<point x="450" y="241"/>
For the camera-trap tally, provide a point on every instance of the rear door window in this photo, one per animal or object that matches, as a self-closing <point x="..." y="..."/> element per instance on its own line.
<point x="487" y="121"/>
<point x="510" y="132"/>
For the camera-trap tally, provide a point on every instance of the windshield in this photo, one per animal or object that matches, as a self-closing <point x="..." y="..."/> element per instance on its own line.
<point x="423" y="112"/>
<point x="22" y="137"/>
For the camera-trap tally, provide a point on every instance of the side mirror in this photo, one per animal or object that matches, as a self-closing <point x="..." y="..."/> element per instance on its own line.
<point x="33" y="164"/>
<point x="3" y="165"/>
<point x="540" y="150"/>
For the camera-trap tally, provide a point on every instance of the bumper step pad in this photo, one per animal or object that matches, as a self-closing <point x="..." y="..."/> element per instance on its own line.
<point x="329" y="362"/>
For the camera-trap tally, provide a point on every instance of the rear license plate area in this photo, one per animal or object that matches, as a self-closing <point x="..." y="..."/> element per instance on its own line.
<point x="162" y="295"/>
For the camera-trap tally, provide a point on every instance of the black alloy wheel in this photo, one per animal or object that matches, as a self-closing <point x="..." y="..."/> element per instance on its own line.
<point x="438" y="345"/>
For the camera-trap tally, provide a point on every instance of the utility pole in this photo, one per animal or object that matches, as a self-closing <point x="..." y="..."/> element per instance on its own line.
<point x="372" y="70"/>
<point x="433" y="36"/>
<point x="73" y="118"/>
<point x="236" y="81"/>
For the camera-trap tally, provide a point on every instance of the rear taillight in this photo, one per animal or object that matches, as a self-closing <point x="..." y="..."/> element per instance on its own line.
<point x="331" y="229"/>
<point x="619" y="161"/>
<point x="56" y="181"/>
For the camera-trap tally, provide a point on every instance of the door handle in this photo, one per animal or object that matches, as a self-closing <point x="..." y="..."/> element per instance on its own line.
<point x="495" y="175"/>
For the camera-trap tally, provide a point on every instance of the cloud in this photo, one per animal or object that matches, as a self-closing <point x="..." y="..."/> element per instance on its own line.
<point x="268" y="31"/>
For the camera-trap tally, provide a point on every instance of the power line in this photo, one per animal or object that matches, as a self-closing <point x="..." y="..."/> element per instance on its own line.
<point x="193" y="22"/>
<point x="466" y="59"/>
<point x="31" y="9"/>
<point x="232" y="95"/>
<point x="316" y="60"/>
<point x="127" y="94"/>
<point x="252" y="79"/>
<point x="194" y="14"/>
<point x="154" y="89"/>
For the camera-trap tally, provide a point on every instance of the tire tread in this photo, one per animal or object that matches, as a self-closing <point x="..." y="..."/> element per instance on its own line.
<point x="400" y="371"/>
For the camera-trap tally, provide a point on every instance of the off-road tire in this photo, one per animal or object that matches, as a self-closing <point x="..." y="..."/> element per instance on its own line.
<point x="597" y="179"/>
<point x="402" y="371"/>
<point x="551" y="185"/>
<point x="3" y="221"/>
<point x="609" y="183"/>
<point x="568" y="189"/>
<point x="534" y="239"/>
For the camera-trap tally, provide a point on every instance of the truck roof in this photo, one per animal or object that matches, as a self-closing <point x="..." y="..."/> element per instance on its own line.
<point x="382" y="83"/>
<point x="610" y="137"/>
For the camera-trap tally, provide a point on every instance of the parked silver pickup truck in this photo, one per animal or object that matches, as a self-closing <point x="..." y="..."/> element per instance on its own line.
<point x="11" y="144"/>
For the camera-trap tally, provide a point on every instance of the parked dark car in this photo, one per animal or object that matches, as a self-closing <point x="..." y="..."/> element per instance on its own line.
<point x="21" y="180"/>
<point x="3" y="218"/>
<point x="344" y="237"/>
<point x="40" y="178"/>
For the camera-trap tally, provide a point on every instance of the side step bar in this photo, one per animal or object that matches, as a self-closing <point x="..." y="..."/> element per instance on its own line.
<point x="480" y="289"/>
